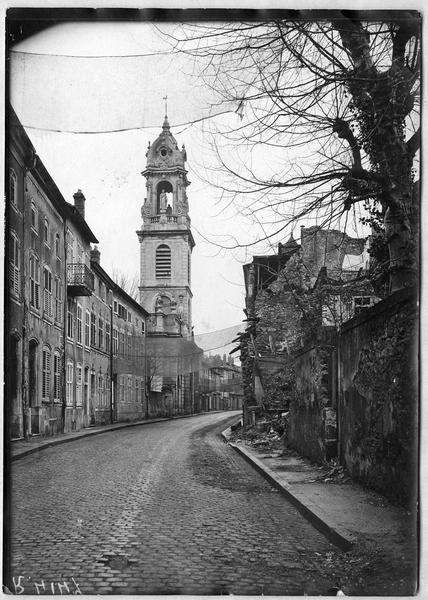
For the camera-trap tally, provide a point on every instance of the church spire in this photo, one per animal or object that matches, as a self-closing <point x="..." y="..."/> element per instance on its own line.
<point x="166" y="122"/>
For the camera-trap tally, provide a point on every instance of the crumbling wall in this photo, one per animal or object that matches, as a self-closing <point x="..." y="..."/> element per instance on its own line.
<point x="327" y="248"/>
<point x="278" y="330"/>
<point x="312" y="410"/>
<point x="378" y="399"/>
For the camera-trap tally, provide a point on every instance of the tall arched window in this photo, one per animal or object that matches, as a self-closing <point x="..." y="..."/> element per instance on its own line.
<point x="46" y="233"/>
<point x="161" y="200"/>
<point x="47" y="292"/>
<point x="163" y="261"/>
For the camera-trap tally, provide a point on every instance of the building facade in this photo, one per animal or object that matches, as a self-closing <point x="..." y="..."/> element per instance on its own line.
<point x="81" y="350"/>
<point x="220" y="384"/>
<point x="129" y="366"/>
<point x="59" y="307"/>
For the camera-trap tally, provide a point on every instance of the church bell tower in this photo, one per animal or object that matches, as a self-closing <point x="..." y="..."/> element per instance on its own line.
<point x="166" y="240"/>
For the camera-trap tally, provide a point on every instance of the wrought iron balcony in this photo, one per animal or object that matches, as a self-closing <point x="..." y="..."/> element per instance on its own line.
<point x="80" y="280"/>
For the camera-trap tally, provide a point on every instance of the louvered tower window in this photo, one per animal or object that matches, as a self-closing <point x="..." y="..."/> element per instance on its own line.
<point x="163" y="261"/>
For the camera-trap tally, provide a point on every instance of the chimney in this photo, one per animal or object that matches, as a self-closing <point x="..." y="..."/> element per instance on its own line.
<point x="95" y="254"/>
<point x="79" y="202"/>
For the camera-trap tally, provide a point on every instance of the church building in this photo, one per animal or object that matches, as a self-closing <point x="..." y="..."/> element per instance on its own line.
<point x="166" y="244"/>
<point x="166" y="240"/>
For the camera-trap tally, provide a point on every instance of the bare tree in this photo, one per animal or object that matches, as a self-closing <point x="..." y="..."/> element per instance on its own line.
<point x="127" y="283"/>
<point x="329" y="107"/>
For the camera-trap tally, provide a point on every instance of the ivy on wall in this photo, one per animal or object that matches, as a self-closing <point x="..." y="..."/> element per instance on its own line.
<point x="384" y="438"/>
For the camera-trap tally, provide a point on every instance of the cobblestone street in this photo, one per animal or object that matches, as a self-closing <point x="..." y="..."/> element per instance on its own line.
<point x="166" y="508"/>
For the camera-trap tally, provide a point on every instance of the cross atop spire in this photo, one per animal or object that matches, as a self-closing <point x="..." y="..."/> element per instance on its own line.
<point x="166" y="123"/>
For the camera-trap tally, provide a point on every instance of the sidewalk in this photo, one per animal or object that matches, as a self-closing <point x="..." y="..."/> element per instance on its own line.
<point x="345" y="512"/>
<point x="21" y="448"/>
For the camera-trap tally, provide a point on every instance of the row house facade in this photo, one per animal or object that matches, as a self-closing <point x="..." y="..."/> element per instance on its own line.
<point x="81" y="349"/>
<point x="59" y="307"/>
<point x="129" y="366"/>
<point x="220" y="384"/>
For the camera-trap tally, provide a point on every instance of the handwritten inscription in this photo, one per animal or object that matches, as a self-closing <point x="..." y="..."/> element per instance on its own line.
<point x="22" y="585"/>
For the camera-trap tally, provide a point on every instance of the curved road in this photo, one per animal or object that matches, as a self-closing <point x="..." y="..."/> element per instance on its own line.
<point x="166" y="508"/>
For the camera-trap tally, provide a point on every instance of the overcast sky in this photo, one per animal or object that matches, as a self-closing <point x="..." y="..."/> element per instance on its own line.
<point x="109" y="80"/>
<point x="78" y="94"/>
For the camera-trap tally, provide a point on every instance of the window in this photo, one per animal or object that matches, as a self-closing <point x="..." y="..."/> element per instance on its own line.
<point x="47" y="292"/>
<point x="13" y="188"/>
<point x="46" y="233"/>
<point x="58" y="300"/>
<point x="115" y="342"/>
<point x="121" y="349"/>
<point x="129" y="346"/>
<point x="115" y="307"/>
<point x="69" y="247"/>
<point x="70" y="318"/>
<point x="129" y="388"/>
<point x="79" y="318"/>
<point x="87" y="328"/>
<point x="79" y="253"/>
<point x="107" y="337"/>
<point x="163" y="261"/>
<point x="93" y="328"/>
<point x="361" y="302"/>
<point x="143" y="327"/>
<point x="15" y="265"/>
<point x="129" y="317"/>
<point x="46" y="371"/>
<point x="100" y="333"/>
<point x="78" y="385"/>
<point x="34" y="281"/>
<point x="34" y="219"/>
<point x="121" y="388"/>
<point x="100" y="389"/>
<point x="69" y="384"/>
<point x="57" y="245"/>
<point x="57" y="376"/>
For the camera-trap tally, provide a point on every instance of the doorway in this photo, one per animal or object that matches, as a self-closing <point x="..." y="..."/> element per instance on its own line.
<point x="32" y="387"/>
<point x="86" y="396"/>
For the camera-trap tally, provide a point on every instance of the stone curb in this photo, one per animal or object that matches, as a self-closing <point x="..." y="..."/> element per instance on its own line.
<point x="339" y="539"/>
<point x="108" y="429"/>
